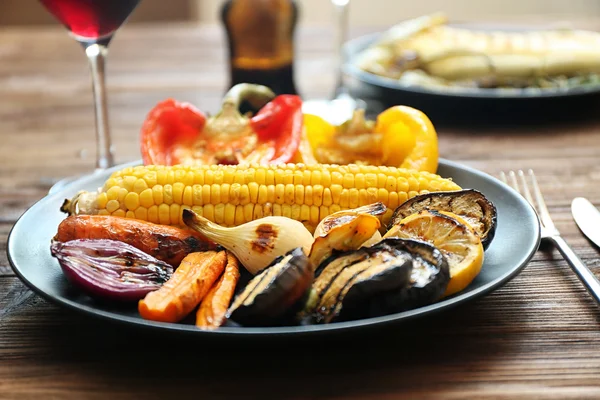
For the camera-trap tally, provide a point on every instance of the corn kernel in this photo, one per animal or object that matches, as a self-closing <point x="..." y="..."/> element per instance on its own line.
<point x="141" y="213"/>
<point x="161" y="177"/>
<point x="239" y="215"/>
<point x="382" y="195"/>
<point x="308" y="195"/>
<point x="198" y="210"/>
<point x="220" y="213"/>
<point x="167" y="194"/>
<point x="132" y="201"/>
<point x="413" y="185"/>
<point x="118" y="213"/>
<point x="279" y="193"/>
<point x="188" y="196"/>
<point x="304" y="212"/>
<point x="129" y="182"/>
<point x="113" y="193"/>
<point x="229" y="215"/>
<point x="199" y="178"/>
<point x="208" y="177"/>
<point x="244" y="195"/>
<point x="289" y="196"/>
<point x="225" y="188"/>
<point x="371" y="195"/>
<point x="317" y="195"/>
<point x="296" y="212"/>
<point x="262" y="194"/>
<point x="402" y="197"/>
<point x="101" y="200"/>
<point x="298" y="194"/>
<point x="271" y="194"/>
<point x="270" y="177"/>
<point x="234" y="193"/>
<point x="122" y="193"/>
<point x="205" y="194"/>
<point x="152" y="196"/>
<point x="215" y="193"/>
<point x="130" y="214"/>
<point x="140" y="185"/>
<point x="359" y="181"/>
<point x="164" y="214"/>
<point x="258" y="212"/>
<point x="260" y="176"/>
<point x="286" y="210"/>
<point x="393" y="200"/>
<point x="112" y="206"/>
<point x="209" y="212"/>
<point x="314" y="215"/>
<point x="103" y="212"/>
<point x="248" y="212"/>
<point x="353" y="198"/>
<point x="153" y="214"/>
<point x="178" y="188"/>
<point x="344" y="198"/>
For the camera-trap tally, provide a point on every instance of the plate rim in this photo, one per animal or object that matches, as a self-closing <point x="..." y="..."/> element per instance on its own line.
<point x="353" y="46"/>
<point x="338" y="327"/>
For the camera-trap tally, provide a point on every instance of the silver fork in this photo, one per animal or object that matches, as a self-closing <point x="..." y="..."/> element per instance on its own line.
<point x="549" y="232"/>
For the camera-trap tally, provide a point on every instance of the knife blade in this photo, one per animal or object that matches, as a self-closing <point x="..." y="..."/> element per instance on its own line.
<point x="587" y="218"/>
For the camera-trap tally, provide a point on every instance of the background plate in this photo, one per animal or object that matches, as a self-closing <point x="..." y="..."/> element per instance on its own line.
<point x="472" y="105"/>
<point x="517" y="238"/>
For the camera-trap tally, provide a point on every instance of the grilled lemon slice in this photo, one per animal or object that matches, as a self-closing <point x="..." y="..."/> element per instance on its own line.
<point x="453" y="236"/>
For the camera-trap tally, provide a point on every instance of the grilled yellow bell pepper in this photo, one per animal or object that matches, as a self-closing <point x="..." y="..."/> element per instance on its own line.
<point x="401" y="136"/>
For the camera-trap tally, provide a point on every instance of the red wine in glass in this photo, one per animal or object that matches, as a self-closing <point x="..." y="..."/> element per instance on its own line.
<point x="91" y="20"/>
<point x="93" y="24"/>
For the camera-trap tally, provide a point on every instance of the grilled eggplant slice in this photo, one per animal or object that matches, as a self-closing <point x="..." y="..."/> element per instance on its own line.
<point x="428" y="280"/>
<point x="349" y="282"/>
<point x="469" y="204"/>
<point x="275" y="293"/>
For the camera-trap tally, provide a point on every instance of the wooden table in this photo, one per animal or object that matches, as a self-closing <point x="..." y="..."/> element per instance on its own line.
<point x="537" y="337"/>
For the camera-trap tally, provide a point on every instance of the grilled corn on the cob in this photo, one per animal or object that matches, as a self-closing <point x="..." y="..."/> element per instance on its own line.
<point x="233" y="195"/>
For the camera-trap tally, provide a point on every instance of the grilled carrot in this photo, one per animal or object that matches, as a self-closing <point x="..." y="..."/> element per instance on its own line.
<point x="185" y="289"/>
<point x="212" y="310"/>
<point x="167" y="243"/>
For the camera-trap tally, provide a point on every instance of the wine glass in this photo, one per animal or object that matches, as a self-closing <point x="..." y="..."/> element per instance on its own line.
<point x="93" y="23"/>
<point x="340" y="108"/>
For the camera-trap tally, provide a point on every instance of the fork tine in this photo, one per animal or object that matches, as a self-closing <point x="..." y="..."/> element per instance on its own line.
<point x="542" y="209"/>
<point x="513" y="181"/>
<point x="527" y="192"/>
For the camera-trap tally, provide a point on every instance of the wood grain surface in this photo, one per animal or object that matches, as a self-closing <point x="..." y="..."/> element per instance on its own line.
<point x="537" y="337"/>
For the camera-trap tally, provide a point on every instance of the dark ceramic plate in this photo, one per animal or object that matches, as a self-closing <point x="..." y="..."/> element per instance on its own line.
<point x="517" y="238"/>
<point x="439" y="103"/>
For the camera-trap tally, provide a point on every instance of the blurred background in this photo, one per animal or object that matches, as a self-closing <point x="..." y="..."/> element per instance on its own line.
<point x="362" y="13"/>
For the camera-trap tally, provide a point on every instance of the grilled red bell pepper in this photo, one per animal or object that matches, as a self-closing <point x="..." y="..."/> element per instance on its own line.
<point x="178" y="133"/>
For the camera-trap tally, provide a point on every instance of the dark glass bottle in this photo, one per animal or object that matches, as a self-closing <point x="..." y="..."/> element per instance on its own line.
<point x="261" y="47"/>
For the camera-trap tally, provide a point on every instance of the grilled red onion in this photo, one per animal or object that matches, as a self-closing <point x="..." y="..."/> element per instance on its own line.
<point x="110" y="269"/>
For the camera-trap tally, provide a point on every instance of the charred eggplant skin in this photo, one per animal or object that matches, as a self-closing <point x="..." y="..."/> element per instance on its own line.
<point x="275" y="293"/>
<point x="347" y="290"/>
<point x="428" y="282"/>
<point x="468" y="203"/>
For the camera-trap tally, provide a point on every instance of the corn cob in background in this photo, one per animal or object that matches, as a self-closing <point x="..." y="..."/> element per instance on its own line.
<point x="231" y="195"/>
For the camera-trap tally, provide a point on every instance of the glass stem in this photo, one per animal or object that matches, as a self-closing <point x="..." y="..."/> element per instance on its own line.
<point x="341" y="11"/>
<point x="96" y="54"/>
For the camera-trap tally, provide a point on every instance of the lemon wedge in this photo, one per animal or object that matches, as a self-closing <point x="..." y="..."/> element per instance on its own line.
<point x="453" y="236"/>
